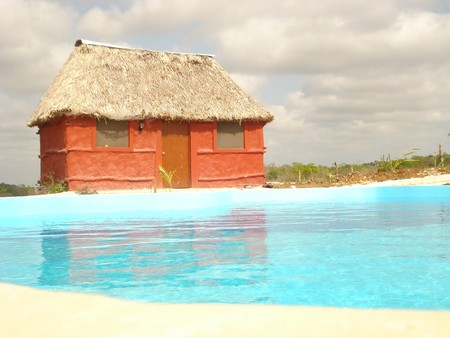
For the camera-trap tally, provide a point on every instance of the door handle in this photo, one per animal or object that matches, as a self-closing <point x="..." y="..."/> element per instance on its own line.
<point x="163" y="153"/>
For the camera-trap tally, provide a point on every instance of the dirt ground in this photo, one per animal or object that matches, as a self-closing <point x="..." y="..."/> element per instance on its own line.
<point x="364" y="178"/>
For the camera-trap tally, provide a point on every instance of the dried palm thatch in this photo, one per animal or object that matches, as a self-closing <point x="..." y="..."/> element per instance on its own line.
<point x="129" y="84"/>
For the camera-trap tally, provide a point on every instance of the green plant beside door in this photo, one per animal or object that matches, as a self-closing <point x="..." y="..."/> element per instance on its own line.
<point x="167" y="176"/>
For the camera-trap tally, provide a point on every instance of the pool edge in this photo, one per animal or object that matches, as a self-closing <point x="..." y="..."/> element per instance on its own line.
<point x="28" y="312"/>
<point x="66" y="204"/>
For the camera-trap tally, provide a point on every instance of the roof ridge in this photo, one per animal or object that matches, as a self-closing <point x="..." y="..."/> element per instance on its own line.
<point x="80" y="42"/>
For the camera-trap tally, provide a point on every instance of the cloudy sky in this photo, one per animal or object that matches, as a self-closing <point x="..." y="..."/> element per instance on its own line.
<point x="347" y="80"/>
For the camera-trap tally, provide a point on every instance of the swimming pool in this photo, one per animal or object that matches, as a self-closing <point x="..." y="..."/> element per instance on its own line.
<point x="385" y="247"/>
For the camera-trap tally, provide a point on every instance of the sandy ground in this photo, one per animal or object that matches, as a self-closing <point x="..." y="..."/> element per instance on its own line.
<point x="34" y="313"/>
<point x="427" y="180"/>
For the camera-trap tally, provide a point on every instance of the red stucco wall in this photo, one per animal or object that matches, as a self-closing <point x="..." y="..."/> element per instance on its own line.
<point x="69" y="153"/>
<point x="109" y="168"/>
<point x="53" y="151"/>
<point x="213" y="167"/>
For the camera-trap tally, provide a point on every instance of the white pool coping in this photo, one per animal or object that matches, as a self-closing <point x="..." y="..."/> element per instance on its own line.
<point x="67" y="205"/>
<point x="427" y="180"/>
<point x="26" y="312"/>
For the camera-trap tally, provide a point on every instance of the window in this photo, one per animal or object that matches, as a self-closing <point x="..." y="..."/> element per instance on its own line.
<point x="230" y="135"/>
<point x="112" y="134"/>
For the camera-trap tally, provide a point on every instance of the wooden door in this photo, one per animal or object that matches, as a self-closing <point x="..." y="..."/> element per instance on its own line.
<point x="176" y="152"/>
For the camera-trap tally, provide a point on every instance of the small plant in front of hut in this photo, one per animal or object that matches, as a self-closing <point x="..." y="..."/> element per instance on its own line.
<point x="86" y="191"/>
<point x="52" y="186"/>
<point x="167" y="176"/>
<point x="387" y="164"/>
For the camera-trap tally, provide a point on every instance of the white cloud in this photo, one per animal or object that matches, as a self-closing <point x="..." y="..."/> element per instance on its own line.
<point x="19" y="146"/>
<point x="250" y="83"/>
<point x="98" y="23"/>
<point x="332" y="44"/>
<point x="354" y="119"/>
<point x="149" y="18"/>
<point x="36" y="40"/>
<point x="34" y="37"/>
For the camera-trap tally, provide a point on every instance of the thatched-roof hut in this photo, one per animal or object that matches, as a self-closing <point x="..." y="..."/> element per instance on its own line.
<point x="113" y="115"/>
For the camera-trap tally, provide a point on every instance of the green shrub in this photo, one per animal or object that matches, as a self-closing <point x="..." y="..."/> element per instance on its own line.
<point x="304" y="170"/>
<point x="387" y="164"/>
<point x="53" y="187"/>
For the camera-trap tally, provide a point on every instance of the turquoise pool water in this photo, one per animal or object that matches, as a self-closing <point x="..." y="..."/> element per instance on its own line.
<point x="347" y="247"/>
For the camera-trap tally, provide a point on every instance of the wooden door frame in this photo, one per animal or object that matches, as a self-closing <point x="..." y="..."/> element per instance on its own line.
<point x="185" y="180"/>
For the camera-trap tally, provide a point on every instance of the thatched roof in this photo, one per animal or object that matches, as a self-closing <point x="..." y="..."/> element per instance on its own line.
<point x="128" y="84"/>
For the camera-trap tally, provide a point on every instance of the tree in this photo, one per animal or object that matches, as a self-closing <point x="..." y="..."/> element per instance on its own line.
<point x="304" y="170"/>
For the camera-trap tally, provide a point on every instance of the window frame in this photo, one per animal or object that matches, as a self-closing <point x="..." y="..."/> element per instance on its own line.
<point x="216" y="140"/>
<point x="106" y="148"/>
